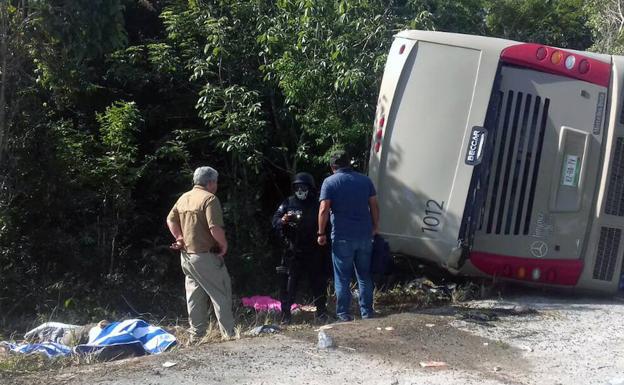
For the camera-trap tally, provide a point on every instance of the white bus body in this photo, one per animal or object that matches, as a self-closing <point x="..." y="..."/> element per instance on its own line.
<point x="494" y="157"/>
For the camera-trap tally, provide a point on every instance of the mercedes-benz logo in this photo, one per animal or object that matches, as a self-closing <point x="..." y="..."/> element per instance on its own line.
<point x="539" y="249"/>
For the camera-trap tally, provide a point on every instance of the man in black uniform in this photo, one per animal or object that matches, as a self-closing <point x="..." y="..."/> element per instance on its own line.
<point x="295" y="221"/>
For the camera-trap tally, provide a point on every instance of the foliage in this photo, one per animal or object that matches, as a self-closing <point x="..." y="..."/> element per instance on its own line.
<point x="80" y="31"/>
<point x="607" y="22"/>
<point x="561" y="23"/>
<point x="325" y="58"/>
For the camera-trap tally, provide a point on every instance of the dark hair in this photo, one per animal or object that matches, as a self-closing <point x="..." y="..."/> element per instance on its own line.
<point x="339" y="159"/>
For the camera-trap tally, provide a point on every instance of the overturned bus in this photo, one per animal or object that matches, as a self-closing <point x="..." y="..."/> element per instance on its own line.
<point x="499" y="158"/>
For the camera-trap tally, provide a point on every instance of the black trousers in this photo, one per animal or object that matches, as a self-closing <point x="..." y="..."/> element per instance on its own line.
<point x="307" y="266"/>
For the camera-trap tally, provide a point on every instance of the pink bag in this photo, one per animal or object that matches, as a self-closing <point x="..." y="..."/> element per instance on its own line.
<point x="265" y="303"/>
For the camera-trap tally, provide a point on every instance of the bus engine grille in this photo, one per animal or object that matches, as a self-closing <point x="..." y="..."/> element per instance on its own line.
<point x="518" y="141"/>
<point x="606" y="256"/>
<point x="615" y="193"/>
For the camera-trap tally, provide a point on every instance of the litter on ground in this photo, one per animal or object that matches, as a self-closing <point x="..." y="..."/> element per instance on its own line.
<point x="264" y="329"/>
<point x="432" y="364"/>
<point x="324" y="340"/>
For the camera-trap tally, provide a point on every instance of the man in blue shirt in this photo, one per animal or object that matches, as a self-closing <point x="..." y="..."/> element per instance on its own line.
<point x="352" y="201"/>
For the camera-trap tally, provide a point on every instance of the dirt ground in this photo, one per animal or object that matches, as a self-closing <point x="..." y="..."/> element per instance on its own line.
<point x="526" y="339"/>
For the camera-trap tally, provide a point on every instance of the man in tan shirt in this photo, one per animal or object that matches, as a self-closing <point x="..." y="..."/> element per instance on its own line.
<point x="196" y="222"/>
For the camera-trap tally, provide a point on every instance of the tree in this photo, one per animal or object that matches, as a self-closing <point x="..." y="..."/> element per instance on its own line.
<point x="607" y="23"/>
<point x="561" y="23"/>
<point x="38" y="236"/>
<point x="15" y="19"/>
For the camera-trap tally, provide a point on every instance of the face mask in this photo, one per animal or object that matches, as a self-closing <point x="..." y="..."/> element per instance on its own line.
<point x="301" y="193"/>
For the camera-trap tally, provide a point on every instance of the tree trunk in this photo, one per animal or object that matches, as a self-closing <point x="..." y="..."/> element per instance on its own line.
<point x="4" y="37"/>
<point x="278" y="128"/>
<point x="113" y="247"/>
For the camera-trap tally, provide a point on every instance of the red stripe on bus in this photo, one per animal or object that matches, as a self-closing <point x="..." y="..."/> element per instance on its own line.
<point x="533" y="56"/>
<point x="551" y="271"/>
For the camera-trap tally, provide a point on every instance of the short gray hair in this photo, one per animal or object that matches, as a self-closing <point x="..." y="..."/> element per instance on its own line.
<point x="205" y="174"/>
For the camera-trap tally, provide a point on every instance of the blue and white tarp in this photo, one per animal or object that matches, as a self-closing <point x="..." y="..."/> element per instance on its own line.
<point x="50" y="349"/>
<point x="134" y="334"/>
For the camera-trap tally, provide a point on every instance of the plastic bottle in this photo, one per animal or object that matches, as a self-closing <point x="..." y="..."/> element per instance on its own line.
<point x="324" y="340"/>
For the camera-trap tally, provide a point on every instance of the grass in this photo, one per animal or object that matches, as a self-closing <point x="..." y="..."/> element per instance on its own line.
<point x="247" y="319"/>
<point x="425" y="293"/>
<point x="21" y="364"/>
<point x="18" y="364"/>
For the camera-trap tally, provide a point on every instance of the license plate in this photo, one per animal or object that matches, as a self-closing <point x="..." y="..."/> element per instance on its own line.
<point x="571" y="168"/>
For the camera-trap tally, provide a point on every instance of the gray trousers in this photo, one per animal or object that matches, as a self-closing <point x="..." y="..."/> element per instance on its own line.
<point x="206" y="279"/>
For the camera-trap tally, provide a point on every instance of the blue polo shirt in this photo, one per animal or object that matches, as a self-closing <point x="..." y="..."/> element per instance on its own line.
<point x="349" y="192"/>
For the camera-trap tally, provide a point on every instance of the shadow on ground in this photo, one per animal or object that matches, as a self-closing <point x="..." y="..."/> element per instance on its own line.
<point x="406" y="339"/>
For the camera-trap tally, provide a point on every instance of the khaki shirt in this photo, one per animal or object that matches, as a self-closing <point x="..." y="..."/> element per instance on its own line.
<point x="197" y="211"/>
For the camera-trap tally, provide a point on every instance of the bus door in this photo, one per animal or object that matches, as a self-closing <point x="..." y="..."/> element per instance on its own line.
<point x="542" y="178"/>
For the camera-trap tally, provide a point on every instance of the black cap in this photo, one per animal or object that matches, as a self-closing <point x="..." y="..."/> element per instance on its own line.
<point x="339" y="159"/>
<point x="304" y="178"/>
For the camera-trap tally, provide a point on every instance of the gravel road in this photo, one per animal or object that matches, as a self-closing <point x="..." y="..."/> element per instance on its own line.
<point x="525" y="339"/>
<point x="569" y="340"/>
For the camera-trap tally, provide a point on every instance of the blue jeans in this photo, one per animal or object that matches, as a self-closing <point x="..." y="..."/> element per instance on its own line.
<point x="347" y="255"/>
